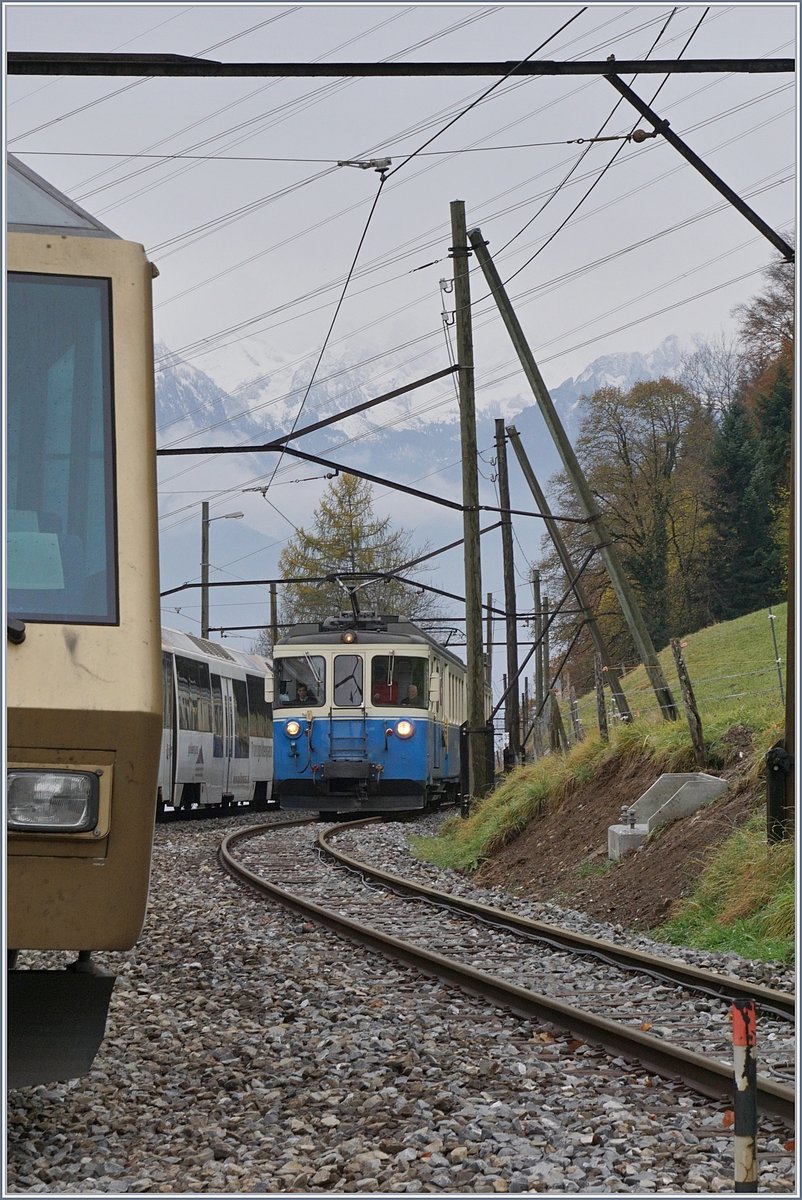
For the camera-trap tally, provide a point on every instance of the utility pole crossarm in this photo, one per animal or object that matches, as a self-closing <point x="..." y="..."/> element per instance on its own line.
<point x="31" y="62"/>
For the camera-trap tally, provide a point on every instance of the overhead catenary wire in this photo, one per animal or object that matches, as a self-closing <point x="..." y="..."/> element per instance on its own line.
<point x="531" y="295"/>
<point x="147" y="79"/>
<point x="385" y="174"/>
<point x="193" y="349"/>
<point x="259" y="123"/>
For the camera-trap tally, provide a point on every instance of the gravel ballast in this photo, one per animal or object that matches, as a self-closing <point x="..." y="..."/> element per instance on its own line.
<point x="249" y="1051"/>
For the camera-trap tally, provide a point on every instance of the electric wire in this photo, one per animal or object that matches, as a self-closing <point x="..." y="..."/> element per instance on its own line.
<point x="529" y="296"/>
<point x="214" y="338"/>
<point x="299" y="104"/>
<point x="147" y="79"/>
<point x="331" y="326"/>
<point x="608" y="165"/>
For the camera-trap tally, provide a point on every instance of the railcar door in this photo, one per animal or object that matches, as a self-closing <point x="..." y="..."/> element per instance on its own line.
<point x="239" y="777"/>
<point x="167" y="754"/>
<point x="218" y="767"/>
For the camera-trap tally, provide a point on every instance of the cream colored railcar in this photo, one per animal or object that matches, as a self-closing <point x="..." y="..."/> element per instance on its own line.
<point x="83" y="663"/>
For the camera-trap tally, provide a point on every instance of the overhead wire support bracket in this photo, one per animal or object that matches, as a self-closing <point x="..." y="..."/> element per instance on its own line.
<point x="663" y="128"/>
<point x="382" y="165"/>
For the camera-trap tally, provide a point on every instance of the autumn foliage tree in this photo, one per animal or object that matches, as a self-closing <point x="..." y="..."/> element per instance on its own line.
<point x="692" y="477"/>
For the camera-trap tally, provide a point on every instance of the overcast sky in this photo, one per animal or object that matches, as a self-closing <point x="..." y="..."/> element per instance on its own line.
<point x="253" y="252"/>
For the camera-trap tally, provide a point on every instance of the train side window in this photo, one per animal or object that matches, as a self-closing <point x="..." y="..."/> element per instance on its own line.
<point x="261" y="723"/>
<point x="194" y="695"/>
<point x="241" y="748"/>
<point x="217" y="716"/>
<point x="348" y="677"/>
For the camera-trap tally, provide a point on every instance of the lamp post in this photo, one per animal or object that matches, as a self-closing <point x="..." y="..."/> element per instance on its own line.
<point x="206" y="521"/>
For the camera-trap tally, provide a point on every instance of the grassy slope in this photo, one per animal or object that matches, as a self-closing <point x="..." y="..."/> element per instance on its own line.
<point x="745" y="899"/>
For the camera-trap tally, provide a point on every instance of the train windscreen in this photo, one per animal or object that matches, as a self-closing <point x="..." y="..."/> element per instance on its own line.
<point x="301" y="680"/>
<point x="61" y="550"/>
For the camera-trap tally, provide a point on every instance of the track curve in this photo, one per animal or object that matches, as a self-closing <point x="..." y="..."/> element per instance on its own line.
<point x="288" y="872"/>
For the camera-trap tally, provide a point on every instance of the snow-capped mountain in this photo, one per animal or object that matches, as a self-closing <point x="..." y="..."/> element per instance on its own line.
<point x="414" y="437"/>
<point x="621" y="371"/>
<point x="268" y="405"/>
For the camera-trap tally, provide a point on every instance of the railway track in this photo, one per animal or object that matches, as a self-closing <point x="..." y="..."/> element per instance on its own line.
<point x="670" y="1017"/>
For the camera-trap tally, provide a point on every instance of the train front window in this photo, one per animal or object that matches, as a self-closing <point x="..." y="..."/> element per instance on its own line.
<point x="400" y="679"/>
<point x="301" y="680"/>
<point x="61" y="550"/>
<point x="348" y="672"/>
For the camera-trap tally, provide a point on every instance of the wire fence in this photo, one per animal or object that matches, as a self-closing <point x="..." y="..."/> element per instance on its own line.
<point x="566" y="719"/>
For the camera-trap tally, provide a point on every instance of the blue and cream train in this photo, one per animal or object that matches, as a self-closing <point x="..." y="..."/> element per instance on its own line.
<point x="367" y="717"/>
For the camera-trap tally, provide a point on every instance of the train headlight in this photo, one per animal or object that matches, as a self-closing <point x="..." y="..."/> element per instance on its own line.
<point x="405" y="729"/>
<point x="292" y="728"/>
<point x="52" y="801"/>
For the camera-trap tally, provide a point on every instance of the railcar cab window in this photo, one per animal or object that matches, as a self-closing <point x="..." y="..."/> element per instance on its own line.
<point x="348" y="673"/>
<point x="61" y="549"/>
<point x="400" y="679"/>
<point x="301" y="680"/>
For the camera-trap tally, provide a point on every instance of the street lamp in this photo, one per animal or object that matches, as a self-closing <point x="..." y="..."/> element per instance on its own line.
<point x="206" y="521"/>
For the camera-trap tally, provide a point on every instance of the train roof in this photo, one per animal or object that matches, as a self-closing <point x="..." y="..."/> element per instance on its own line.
<point x="371" y="630"/>
<point x="35" y="206"/>
<point x="187" y="643"/>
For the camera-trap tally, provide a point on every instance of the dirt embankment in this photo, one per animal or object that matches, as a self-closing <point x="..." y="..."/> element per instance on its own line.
<point x="562" y="855"/>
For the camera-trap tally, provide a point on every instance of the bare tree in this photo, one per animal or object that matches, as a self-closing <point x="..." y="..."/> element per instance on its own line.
<point x="715" y="371"/>
<point x="767" y="321"/>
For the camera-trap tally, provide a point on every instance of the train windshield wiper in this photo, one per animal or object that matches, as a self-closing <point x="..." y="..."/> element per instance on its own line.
<point x="312" y="669"/>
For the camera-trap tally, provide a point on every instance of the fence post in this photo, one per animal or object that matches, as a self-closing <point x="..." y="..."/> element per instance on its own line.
<point x="600" y="706"/>
<point x="777" y="659"/>
<point x="557" y="737"/>
<point x="689" y="701"/>
<point x="744" y="1038"/>
<point x="574" y="710"/>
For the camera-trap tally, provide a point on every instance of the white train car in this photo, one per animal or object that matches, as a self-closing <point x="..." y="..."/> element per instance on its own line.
<point x="217" y="740"/>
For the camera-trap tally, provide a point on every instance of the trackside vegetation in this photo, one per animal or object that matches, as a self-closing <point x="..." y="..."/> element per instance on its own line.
<point x="744" y="899"/>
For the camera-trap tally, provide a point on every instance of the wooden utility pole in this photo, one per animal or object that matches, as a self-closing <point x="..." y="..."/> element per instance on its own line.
<point x="545" y="648"/>
<point x="790" y="651"/>
<point x="512" y="705"/>
<point x="477" y="735"/>
<point x="273" y="615"/>
<point x="538" y="627"/>
<point x="538" y="673"/>
<point x="601" y="707"/>
<point x="204" y="568"/>
<point x="489" y="642"/>
<point x="626" y="597"/>
<point x="569" y="568"/>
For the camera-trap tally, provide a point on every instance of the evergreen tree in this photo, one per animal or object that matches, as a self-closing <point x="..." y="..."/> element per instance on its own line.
<point x="773" y="412"/>
<point x="347" y="537"/>
<point x="743" y="566"/>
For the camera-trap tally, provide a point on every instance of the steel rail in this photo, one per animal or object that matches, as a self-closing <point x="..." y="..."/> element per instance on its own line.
<point x="728" y="988"/>
<point x="703" y="1075"/>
